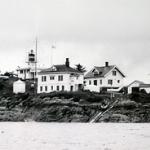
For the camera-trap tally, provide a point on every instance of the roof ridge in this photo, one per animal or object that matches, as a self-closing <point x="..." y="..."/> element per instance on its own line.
<point x="62" y="68"/>
<point x="104" y="71"/>
<point x="105" y="66"/>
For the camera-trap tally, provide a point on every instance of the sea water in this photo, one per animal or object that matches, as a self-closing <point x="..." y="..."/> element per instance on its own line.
<point x="74" y="136"/>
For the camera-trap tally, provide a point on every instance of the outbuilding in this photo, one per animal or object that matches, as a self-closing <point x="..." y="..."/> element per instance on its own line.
<point x="19" y="87"/>
<point x="137" y="86"/>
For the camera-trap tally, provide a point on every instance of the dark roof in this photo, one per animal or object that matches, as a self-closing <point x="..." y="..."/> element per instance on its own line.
<point x="28" y="68"/>
<point x="59" y="68"/>
<point x="102" y="71"/>
<point x="23" y="68"/>
<point x="144" y="85"/>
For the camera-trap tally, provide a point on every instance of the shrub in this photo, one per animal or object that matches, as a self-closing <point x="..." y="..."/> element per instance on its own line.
<point x="95" y="98"/>
<point x="143" y="91"/>
<point x="88" y="96"/>
<point x="1" y="86"/>
<point x="128" y="104"/>
<point x="140" y="97"/>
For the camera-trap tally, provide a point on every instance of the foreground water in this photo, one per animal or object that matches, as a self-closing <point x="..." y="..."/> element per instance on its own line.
<point x="77" y="136"/>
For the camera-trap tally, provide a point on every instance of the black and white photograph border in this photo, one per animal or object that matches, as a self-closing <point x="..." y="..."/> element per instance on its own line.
<point x="74" y="75"/>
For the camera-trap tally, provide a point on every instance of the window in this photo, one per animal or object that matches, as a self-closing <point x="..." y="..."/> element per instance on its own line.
<point x="100" y="72"/>
<point x="110" y="82"/>
<point x="63" y="88"/>
<point x="89" y="82"/>
<point x="52" y="77"/>
<point x="101" y="81"/>
<point x="71" y="88"/>
<point x="60" y="78"/>
<point x="95" y="82"/>
<point x="43" y="78"/>
<point x="57" y="88"/>
<point x="114" y="73"/>
<point x="51" y="88"/>
<point x="41" y="88"/>
<point x="21" y="71"/>
<point x="95" y="72"/>
<point x="118" y="81"/>
<point x="45" y="88"/>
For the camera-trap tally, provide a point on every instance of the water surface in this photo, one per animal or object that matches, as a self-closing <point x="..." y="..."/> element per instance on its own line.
<point x="74" y="136"/>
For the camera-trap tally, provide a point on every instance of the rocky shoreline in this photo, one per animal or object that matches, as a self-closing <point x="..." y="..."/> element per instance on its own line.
<point x="25" y="107"/>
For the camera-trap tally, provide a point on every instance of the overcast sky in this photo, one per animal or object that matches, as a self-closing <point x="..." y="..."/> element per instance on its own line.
<point x="89" y="32"/>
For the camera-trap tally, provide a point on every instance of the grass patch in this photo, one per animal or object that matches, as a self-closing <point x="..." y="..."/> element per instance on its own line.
<point x="88" y="96"/>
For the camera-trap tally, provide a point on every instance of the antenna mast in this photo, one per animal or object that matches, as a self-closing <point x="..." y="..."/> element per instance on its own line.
<point x="36" y="57"/>
<point x="35" y="78"/>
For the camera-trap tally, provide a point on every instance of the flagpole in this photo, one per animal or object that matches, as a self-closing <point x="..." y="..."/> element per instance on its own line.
<point x="52" y="48"/>
<point x="51" y="55"/>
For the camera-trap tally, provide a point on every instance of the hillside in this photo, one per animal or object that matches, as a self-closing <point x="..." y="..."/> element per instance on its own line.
<point x="71" y="106"/>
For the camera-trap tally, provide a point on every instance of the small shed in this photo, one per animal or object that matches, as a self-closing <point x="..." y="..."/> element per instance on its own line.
<point x="134" y="86"/>
<point x="19" y="87"/>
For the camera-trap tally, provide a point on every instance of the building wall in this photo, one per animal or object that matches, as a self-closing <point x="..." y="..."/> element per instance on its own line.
<point x="24" y="75"/>
<point x="27" y="75"/>
<point x="19" y="87"/>
<point x="135" y="84"/>
<point x="103" y="82"/>
<point x="52" y="85"/>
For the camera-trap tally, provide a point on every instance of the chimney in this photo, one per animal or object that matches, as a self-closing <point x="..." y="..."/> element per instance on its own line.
<point x="67" y="62"/>
<point x="106" y="64"/>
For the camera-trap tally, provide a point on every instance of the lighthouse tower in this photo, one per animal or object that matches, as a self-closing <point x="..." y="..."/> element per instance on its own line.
<point x="31" y="59"/>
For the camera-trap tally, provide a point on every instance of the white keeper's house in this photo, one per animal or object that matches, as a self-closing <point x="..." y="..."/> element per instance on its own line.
<point x="60" y="78"/>
<point x="104" y="78"/>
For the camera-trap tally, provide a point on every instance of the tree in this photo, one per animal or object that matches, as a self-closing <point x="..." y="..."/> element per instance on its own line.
<point x="80" y="68"/>
<point x="7" y="74"/>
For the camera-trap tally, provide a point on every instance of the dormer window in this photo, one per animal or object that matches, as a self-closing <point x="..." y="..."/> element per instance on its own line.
<point x="95" y="72"/>
<point x="53" y="68"/>
<point x="114" y="73"/>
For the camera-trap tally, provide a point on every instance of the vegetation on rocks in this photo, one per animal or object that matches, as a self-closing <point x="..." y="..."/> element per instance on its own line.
<point x="78" y="106"/>
<point x="134" y="109"/>
<point x="57" y="106"/>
